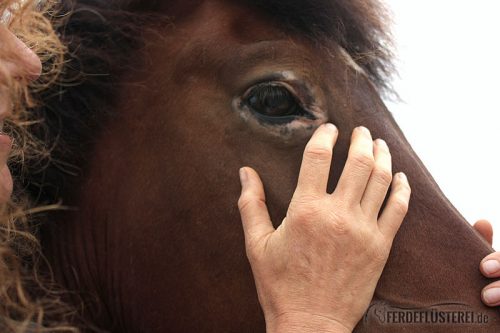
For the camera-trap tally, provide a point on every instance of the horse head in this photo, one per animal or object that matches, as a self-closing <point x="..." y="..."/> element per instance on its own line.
<point x="174" y="97"/>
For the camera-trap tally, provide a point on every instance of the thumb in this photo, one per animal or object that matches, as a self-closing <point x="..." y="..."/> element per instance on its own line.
<point x="253" y="209"/>
<point x="485" y="229"/>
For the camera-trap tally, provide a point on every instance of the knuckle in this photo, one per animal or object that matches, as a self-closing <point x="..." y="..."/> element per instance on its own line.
<point x="243" y="202"/>
<point x="407" y="189"/>
<point x="305" y="212"/>
<point x="319" y="153"/>
<point x="382" y="175"/>
<point x="363" y="160"/>
<point x="400" y="205"/>
<point x="246" y="201"/>
<point x="305" y="200"/>
<point x="403" y="193"/>
<point x="340" y="227"/>
<point x="251" y="252"/>
<point x="339" y="224"/>
<point x="403" y="187"/>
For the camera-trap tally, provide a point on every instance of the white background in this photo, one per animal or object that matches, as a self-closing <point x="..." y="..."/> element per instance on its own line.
<point x="449" y="67"/>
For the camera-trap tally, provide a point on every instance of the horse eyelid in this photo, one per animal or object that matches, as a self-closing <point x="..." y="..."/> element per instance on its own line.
<point x="281" y="120"/>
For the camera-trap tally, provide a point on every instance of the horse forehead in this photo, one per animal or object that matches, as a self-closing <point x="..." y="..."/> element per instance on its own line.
<point x="233" y="20"/>
<point x="216" y="32"/>
<point x="216" y="24"/>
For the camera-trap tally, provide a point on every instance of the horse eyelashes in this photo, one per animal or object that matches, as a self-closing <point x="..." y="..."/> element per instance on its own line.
<point x="274" y="103"/>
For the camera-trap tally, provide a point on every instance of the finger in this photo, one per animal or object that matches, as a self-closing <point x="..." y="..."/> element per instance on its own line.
<point x="317" y="159"/>
<point x="6" y="104"/>
<point x="5" y="148"/>
<point x="485" y="229"/>
<point x="6" y="184"/>
<point x="358" y="168"/>
<point x="26" y="64"/>
<point x="490" y="265"/>
<point x="380" y="179"/>
<point x="253" y="209"/>
<point x="397" y="206"/>
<point x="491" y="294"/>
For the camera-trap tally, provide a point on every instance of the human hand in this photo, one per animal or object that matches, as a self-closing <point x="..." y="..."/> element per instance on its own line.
<point x="490" y="266"/>
<point x="16" y="61"/>
<point x="318" y="270"/>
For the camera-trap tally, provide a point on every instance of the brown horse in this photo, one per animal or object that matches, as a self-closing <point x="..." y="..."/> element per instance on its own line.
<point x="175" y="96"/>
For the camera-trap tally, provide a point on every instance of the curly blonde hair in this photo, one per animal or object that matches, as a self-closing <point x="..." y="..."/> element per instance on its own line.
<point x="29" y="301"/>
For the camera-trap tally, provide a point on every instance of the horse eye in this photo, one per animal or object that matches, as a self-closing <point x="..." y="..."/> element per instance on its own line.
<point x="273" y="102"/>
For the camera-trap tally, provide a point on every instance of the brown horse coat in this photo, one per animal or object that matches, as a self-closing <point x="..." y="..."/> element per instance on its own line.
<point x="156" y="244"/>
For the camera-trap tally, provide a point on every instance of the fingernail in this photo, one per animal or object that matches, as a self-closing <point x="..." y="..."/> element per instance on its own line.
<point x="331" y="127"/>
<point x="491" y="266"/>
<point x="381" y="143"/>
<point x="492" y="296"/>
<point x="364" y="130"/>
<point x="402" y="177"/>
<point x="243" y="177"/>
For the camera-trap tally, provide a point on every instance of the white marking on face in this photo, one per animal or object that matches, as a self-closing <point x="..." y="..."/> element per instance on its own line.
<point x="295" y="131"/>
<point x="350" y="61"/>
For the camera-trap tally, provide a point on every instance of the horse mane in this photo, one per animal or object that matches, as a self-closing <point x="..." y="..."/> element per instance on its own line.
<point x="360" y="27"/>
<point x="99" y="38"/>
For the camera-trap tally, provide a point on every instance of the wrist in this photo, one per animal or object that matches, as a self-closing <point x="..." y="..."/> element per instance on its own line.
<point x="300" y="323"/>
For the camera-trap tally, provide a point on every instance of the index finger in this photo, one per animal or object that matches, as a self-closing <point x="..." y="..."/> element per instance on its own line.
<point x="315" y="168"/>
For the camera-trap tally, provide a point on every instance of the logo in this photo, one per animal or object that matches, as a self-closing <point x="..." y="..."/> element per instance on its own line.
<point x="452" y="313"/>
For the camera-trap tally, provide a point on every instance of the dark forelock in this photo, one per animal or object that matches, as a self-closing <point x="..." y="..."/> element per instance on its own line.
<point x="361" y="27"/>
